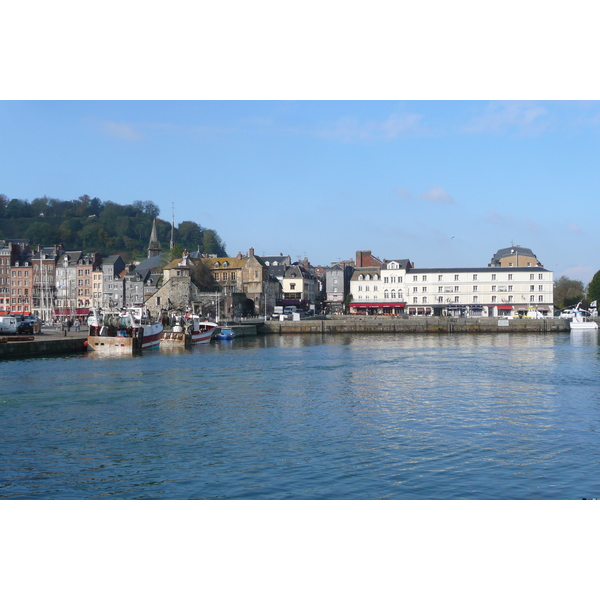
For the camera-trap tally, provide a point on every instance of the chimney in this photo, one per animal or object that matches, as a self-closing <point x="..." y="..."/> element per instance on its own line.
<point x="251" y="252"/>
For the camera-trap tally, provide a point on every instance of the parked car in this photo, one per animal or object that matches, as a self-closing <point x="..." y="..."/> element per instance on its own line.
<point x="25" y="328"/>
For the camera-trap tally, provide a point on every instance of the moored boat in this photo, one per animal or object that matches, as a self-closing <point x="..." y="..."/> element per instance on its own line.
<point x="226" y="333"/>
<point x="580" y="321"/>
<point x="189" y="330"/>
<point x="129" y="331"/>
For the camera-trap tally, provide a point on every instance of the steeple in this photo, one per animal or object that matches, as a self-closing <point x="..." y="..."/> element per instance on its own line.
<point x="154" y="248"/>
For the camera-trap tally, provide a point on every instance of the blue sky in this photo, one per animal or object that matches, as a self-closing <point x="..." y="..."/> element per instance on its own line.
<point x="444" y="183"/>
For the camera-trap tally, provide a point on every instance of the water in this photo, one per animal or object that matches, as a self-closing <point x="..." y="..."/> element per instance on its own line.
<point x="495" y="416"/>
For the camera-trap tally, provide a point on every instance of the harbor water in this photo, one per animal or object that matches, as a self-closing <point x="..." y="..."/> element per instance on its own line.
<point x="362" y="416"/>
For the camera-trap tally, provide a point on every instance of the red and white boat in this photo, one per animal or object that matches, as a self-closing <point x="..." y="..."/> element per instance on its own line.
<point x="189" y="330"/>
<point x="126" y="332"/>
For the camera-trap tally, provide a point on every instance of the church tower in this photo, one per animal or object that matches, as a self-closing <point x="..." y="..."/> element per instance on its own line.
<point x="154" y="248"/>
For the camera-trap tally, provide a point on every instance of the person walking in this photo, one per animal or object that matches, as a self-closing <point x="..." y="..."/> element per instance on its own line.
<point x="77" y="324"/>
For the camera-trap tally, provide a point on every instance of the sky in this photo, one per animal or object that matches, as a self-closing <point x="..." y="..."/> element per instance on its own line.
<point x="443" y="183"/>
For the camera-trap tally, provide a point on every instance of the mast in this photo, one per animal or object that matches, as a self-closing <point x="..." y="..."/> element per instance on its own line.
<point x="172" y="226"/>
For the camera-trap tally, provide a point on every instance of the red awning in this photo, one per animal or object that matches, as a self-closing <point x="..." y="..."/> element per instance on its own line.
<point x="82" y="311"/>
<point x="504" y="307"/>
<point x="377" y="305"/>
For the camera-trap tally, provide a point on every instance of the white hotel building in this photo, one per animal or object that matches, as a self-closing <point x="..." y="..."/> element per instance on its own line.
<point x="397" y="288"/>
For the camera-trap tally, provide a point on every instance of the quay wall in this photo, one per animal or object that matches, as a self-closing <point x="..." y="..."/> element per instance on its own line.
<point x="415" y="325"/>
<point x="37" y="347"/>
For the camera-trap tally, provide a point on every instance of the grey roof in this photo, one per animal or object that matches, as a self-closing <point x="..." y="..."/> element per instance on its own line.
<point x="279" y="259"/>
<point x="404" y="263"/>
<point x="504" y="252"/>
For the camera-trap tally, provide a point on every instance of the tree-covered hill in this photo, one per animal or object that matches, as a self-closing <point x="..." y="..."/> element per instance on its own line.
<point x="91" y="225"/>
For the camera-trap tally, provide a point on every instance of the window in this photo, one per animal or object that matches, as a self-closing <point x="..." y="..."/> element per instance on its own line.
<point x="493" y="276"/>
<point x="393" y="280"/>
<point x="424" y="299"/>
<point x="293" y="287"/>
<point x="440" y="299"/>
<point x="475" y="299"/>
<point x="456" y="278"/>
<point x="540" y="288"/>
<point x="540" y="298"/>
<point x="425" y="288"/>
<point x="415" y="290"/>
<point x="415" y="278"/>
<point x="510" y="288"/>
<point x="510" y="298"/>
<point x="493" y="288"/>
<point x="386" y="280"/>
<point x="225" y="276"/>
<point x="440" y="289"/>
<point x="456" y="299"/>
<point x="510" y="276"/>
<point x="374" y="288"/>
<point x="440" y="277"/>
<point x="541" y="276"/>
<point x="415" y="300"/>
<point x="474" y="276"/>
<point x="367" y="277"/>
<point x="424" y="277"/>
<point x="367" y="288"/>
<point x="393" y="293"/>
<point x="386" y="293"/>
<point x="493" y="298"/>
<point x="359" y="288"/>
<point x="531" y="275"/>
<point x="233" y="277"/>
<point x="474" y="288"/>
<point x="532" y="298"/>
<point x="510" y="264"/>
<point x="531" y="288"/>
<point x="456" y="288"/>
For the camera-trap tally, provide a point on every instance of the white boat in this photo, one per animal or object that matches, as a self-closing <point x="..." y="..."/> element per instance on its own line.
<point x="580" y="321"/>
<point x="189" y="329"/>
<point x="129" y="331"/>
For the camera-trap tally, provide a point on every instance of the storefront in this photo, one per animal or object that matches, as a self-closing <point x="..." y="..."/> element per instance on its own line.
<point x="504" y="310"/>
<point x="377" y="308"/>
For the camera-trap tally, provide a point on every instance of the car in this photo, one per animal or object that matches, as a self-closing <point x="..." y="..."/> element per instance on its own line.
<point x="25" y="328"/>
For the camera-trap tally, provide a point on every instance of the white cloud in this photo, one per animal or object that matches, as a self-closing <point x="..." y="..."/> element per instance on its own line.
<point x="350" y="128"/>
<point x="500" y="117"/>
<point x="574" y="228"/>
<point x="437" y="195"/>
<point x="122" y="131"/>
<point x="402" y="192"/>
<point x="497" y="219"/>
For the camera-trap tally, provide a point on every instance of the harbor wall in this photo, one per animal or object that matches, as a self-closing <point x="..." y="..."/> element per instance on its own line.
<point x="365" y="324"/>
<point x="65" y="345"/>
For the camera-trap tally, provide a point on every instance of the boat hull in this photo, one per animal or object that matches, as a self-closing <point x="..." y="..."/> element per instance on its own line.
<point x="145" y="338"/>
<point x="589" y="325"/>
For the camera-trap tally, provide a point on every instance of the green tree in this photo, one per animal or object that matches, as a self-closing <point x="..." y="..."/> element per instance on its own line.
<point x="593" y="292"/>
<point x="3" y="203"/>
<point x="568" y="292"/>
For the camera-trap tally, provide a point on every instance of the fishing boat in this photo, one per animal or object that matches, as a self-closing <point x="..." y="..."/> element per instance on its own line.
<point x="581" y="321"/>
<point x="189" y="330"/>
<point x="226" y="333"/>
<point x="125" y="332"/>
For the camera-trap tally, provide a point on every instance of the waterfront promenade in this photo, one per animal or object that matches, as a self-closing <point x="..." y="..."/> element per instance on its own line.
<point x="53" y="341"/>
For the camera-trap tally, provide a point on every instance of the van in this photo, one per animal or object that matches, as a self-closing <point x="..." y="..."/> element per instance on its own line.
<point x="8" y="325"/>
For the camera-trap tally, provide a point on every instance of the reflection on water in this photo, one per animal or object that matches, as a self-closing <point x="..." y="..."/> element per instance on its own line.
<point x="310" y="416"/>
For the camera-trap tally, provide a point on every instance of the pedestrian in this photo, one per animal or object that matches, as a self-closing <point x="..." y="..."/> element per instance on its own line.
<point x="77" y="324"/>
<point x="69" y="325"/>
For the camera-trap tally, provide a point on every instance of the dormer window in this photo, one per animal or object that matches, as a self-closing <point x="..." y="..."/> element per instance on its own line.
<point x="225" y="264"/>
<point x="217" y="265"/>
<point x="360" y="277"/>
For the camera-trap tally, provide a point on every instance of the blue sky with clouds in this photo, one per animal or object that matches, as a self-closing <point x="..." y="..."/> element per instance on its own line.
<point x="444" y="183"/>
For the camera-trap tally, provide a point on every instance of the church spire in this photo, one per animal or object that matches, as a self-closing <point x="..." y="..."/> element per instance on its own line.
<point x="154" y="248"/>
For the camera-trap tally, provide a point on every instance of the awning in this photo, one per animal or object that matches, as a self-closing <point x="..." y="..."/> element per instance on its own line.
<point x="82" y="311"/>
<point x="377" y="304"/>
<point x="504" y="307"/>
